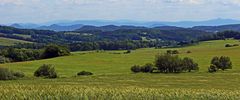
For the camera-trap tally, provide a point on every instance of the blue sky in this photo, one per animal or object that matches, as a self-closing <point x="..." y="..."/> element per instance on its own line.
<point x="37" y="11"/>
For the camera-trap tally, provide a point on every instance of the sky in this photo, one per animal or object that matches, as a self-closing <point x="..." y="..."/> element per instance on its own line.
<point x="38" y="11"/>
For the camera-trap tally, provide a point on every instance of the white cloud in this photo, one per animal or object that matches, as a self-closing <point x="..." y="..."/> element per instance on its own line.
<point x="45" y="10"/>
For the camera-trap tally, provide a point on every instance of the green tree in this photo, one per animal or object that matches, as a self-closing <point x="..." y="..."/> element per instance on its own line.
<point x="222" y="62"/>
<point x="55" y="51"/>
<point x="225" y="63"/>
<point x="189" y="64"/>
<point x="47" y="71"/>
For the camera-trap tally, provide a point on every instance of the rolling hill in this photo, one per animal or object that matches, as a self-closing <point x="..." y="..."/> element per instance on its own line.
<point x="112" y="75"/>
<point x="9" y="41"/>
<point x="233" y="27"/>
<point x="57" y="28"/>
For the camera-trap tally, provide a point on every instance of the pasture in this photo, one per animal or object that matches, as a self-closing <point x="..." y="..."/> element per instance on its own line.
<point x="113" y="79"/>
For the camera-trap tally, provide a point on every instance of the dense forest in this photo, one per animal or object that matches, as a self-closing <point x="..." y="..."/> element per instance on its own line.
<point x="113" y="37"/>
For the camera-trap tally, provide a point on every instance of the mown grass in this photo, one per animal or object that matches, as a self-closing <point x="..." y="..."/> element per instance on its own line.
<point x="8" y="41"/>
<point x="113" y="79"/>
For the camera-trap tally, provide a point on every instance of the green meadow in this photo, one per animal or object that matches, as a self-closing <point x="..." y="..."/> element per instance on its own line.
<point x="8" y="41"/>
<point x="113" y="79"/>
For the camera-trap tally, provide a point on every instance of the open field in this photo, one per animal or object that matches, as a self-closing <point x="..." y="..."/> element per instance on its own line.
<point x="113" y="79"/>
<point x="8" y="41"/>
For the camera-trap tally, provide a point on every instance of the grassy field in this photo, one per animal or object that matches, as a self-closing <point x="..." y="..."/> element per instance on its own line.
<point x="8" y="41"/>
<point x="113" y="79"/>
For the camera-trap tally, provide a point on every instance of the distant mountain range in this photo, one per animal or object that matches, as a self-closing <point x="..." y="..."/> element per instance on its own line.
<point x="233" y="27"/>
<point x="56" y="27"/>
<point x="217" y="24"/>
<point x="107" y="28"/>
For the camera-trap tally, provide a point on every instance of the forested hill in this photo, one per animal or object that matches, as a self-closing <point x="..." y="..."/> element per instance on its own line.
<point x="104" y="33"/>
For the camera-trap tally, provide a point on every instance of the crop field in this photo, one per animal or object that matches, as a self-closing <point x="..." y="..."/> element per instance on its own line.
<point x="113" y="79"/>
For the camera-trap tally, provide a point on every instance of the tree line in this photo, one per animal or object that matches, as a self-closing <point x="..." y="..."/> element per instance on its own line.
<point x="171" y="63"/>
<point x="168" y="63"/>
<point x="17" y="55"/>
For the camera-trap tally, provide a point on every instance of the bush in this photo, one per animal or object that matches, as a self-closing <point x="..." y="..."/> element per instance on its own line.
<point x="222" y="62"/>
<point x="228" y="45"/>
<point x="236" y="45"/>
<point x="147" y="68"/>
<point x="172" y="52"/>
<point x="18" y="74"/>
<point x="47" y="71"/>
<point x="6" y="74"/>
<point x="173" y="64"/>
<point x="189" y="64"/>
<point x="52" y="51"/>
<point x="4" y="60"/>
<point x="84" y="73"/>
<point x="127" y="52"/>
<point x="212" y="68"/>
<point x="189" y="51"/>
<point x="136" y="68"/>
<point x="175" y="52"/>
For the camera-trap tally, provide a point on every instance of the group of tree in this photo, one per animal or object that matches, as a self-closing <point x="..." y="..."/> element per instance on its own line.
<point x="180" y="35"/>
<point x="17" y="55"/>
<point x="168" y="63"/>
<point x="220" y="36"/>
<point x="222" y="63"/>
<point x="119" y="45"/>
<point x="231" y="45"/>
<point x="173" y="64"/>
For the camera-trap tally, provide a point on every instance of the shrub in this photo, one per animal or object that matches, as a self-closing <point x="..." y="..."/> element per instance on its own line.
<point x="147" y="68"/>
<point x="222" y="62"/>
<point x="47" y="71"/>
<point x="189" y="51"/>
<point x="236" y="45"/>
<point x="52" y="51"/>
<point x="212" y="68"/>
<point x="136" y="68"/>
<point x="228" y="45"/>
<point x="84" y="73"/>
<point x="4" y="60"/>
<point x="128" y="51"/>
<point x="18" y="74"/>
<point x="6" y="74"/>
<point x="189" y="64"/>
<point x="175" y="52"/>
<point x="169" y="51"/>
<point x="225" y="63"/>
<point x="172" y="52"/>
<point x="173" y="64"/>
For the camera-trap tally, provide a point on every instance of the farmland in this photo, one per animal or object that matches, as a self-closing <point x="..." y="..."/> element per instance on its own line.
<point x="113" y="79"/>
